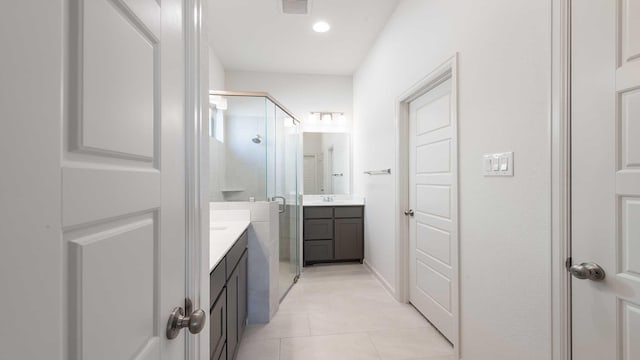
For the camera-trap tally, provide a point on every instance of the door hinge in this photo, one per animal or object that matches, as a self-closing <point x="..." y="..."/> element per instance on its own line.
<point x="568" y="263"/>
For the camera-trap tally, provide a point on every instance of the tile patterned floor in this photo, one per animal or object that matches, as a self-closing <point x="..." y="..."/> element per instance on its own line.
<point x="341" y="312"/>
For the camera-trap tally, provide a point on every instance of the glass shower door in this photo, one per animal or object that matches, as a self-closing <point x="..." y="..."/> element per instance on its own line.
<point x="284" y="147"/>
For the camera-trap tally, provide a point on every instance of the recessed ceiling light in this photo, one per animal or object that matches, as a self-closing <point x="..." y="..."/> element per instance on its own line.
<point x="321" y="26"/>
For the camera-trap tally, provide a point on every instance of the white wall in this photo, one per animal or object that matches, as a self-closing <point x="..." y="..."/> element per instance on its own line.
<point x="302" y="94"/>
<point x="504" y="105"/>
<point x="216" y="148"/>
<point x="216" y="72"/>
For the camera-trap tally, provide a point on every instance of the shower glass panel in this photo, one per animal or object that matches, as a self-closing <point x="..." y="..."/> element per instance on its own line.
<point x="254" y="157"/>
<point x="283" y="187"/>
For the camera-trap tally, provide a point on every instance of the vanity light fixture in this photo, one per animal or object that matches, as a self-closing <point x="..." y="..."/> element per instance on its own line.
<point x="327" y="115"/>
<point x="321" y="27"/>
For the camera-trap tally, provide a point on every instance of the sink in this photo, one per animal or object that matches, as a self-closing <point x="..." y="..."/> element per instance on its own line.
<point x="218" y="228"/>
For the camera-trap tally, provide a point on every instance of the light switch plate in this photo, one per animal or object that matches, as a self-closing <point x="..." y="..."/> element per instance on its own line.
<point x="499" y="164"/>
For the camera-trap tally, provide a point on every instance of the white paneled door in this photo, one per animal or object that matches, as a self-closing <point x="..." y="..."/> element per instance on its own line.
<point x="605" y="142"/>
<point x="432" y="199"/>
<point x="105" y="237"/>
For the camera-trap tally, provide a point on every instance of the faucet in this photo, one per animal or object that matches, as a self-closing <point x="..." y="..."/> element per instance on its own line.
<point x="327" y="198"/>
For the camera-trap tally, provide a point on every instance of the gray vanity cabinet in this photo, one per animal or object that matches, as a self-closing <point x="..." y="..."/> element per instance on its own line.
<point x="228" y="294"/>
<point x="333" y="233"/>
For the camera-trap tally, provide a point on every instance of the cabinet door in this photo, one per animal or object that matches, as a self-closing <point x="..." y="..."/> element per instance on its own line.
<point x="218" y="326"/>
<point x="232" y="314"/>
<point x="349" y="239"/>
<point x="242" y="295"/>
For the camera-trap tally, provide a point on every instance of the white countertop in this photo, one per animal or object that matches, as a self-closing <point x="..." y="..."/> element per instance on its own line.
<point x="338" y="200"/>
<point x="224" y="233"/>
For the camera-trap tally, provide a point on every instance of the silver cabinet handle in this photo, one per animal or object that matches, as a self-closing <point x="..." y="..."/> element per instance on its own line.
<point x="588" y="270"/>
<point x="409" y="212"/>
<point x="284" y="203"/>
<point x="177" y="321"/>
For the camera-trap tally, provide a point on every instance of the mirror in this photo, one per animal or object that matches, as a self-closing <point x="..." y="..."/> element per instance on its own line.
<point x="327" y="163"/>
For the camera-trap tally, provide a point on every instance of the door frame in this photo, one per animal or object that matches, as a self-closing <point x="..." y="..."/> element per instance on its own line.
<point x="196" y="169"/>
<point x="447" y="70"/>
<point x="560" y="212"/>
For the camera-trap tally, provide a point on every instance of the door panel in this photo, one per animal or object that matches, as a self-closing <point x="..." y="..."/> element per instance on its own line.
<point x="95" y="282"/>
<point x="435" y="242"/>
<point x="434" y="200"/>
<point x="605" y="139"/>
<point x="117" y="91"/>
<point x="432" y="172"/>
<point x="93" y="146"/>
<point x="434" y="285"/>
<point x="630" y="110"/>
<point x="123" y="179"/>
<point x="629" y="30"/>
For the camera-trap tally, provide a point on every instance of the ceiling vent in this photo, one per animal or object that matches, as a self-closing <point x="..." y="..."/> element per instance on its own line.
<point x="296" y="7"/>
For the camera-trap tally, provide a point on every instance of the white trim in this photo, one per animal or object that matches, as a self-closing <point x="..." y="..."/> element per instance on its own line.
<point x="560" y="136"/>
<point x="196" y="204"/>
<point x="448" y="70"/>
<point x="385" y="284"/>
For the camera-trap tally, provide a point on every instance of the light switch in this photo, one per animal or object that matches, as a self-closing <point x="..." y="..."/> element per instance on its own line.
<point x="504" y="163"/>
<point x="487" y="164"/>
<point x="495" y="165"/>
<point x="500" y="164"/>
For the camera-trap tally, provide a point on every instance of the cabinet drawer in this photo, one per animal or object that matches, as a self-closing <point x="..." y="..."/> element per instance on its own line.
<point x="323" y="212"/>
<point x="318" y="229"/>
<point x="218" y="326"/>
<point x="318" y="250"/>
<point x="234" y="255"/>
<point x="349" y="212"/>
<point x="217" y="279"/>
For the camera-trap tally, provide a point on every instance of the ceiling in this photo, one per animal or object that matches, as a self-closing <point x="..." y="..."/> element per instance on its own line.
<point x="254" y="35"/>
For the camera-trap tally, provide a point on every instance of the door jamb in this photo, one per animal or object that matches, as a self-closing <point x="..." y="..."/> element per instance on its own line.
<point x="447" y="70"/>
<point x="560" y="129"/>
<point x="196" y="169"/>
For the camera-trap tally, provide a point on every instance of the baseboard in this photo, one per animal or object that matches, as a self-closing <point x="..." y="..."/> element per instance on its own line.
<point x="381" y="279"/>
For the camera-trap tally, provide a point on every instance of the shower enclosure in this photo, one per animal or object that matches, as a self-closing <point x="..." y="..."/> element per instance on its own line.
<point x="254" y="155"/>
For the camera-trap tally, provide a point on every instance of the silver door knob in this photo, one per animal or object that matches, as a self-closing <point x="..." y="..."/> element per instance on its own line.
<point x="409" y="213"/>
<point x="177" y="321"/>
<point x="588" y="270"/>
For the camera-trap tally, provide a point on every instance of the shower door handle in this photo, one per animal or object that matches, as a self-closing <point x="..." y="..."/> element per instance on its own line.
<point x="284" y="203"/>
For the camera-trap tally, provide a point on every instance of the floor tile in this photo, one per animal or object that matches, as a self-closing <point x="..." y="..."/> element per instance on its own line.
<point x="342" y="312"/>
<point x="409" y="344"/>
<point x="333" y="347"/>
<point x="259" y="350"/>
<point x="365" y="319"/>
<point x="281" y="326"/>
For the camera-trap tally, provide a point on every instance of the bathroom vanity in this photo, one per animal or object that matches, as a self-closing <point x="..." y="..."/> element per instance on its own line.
<point x="333" y="232"/>
<point x="228" y="287"/>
